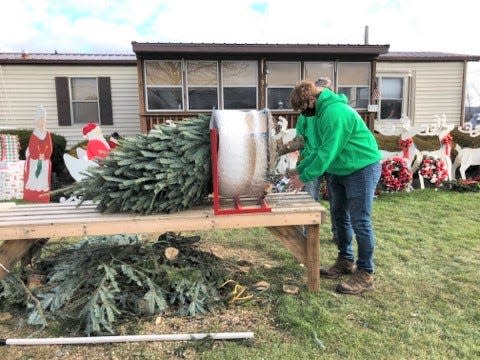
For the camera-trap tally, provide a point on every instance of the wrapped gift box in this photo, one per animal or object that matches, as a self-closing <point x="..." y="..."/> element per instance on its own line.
<point x="11" y="180"/>
<point x="9" y="147"/>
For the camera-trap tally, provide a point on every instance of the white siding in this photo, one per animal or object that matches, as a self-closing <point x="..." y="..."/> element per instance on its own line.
<point x="23" y="88"/>
<point x="437" y="88"/>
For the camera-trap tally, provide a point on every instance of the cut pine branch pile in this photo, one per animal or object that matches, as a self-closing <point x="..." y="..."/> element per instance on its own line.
<point x="101" y="282"/>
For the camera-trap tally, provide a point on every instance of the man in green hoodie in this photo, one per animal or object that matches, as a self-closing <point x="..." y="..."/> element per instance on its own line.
<point x="304" y="129"/>
<point x="348" y="152"/>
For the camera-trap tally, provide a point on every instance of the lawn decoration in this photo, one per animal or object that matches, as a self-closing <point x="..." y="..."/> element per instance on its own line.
<point x="466" y="157"/>
<point x="38" y="167"/>
<point x="396" y="175"/>
<point x="9" y="148"/>
<point x="433" y="169"/>
<point x="11" y="168"/>
<point x="97" y="149"/>
<point x="472" y="127"/>
<point x="408" y="149"/>
<point x="442" y="130"/>
<point x="11" y="180"/>
<point x="284" y="137"/>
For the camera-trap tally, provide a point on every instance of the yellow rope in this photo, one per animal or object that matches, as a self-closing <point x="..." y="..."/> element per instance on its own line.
<point x="236" y="294"/>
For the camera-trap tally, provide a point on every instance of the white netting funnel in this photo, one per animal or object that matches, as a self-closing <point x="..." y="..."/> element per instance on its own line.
<point x="246" y="151"/>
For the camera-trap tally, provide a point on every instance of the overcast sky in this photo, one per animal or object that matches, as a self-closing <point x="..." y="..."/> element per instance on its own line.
<point x="102" y="26"/>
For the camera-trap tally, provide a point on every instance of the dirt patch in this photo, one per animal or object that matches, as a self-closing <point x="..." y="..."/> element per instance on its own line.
<point x="242" y="318"/>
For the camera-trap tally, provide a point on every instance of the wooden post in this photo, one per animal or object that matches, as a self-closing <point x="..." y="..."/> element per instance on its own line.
<point x="313" y="257"/>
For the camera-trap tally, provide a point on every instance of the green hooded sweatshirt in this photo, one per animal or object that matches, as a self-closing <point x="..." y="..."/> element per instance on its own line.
<point x="343" y="143"/>
<point x="303" y="127"/>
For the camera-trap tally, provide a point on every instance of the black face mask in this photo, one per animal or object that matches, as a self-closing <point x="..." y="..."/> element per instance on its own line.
<point x="308" y="112"/>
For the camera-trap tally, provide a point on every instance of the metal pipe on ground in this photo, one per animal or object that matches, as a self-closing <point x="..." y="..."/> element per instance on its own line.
<point x="125" y="338"/>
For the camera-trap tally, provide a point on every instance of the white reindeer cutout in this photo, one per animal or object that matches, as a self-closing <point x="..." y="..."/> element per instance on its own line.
<point x="283" y="133"/>
<point x="442" y="130"/>
<point x="287" y="161"/>
<point x="473" y="131"/>
<point x="408" y="149"/>
<point x="466" y="157"/>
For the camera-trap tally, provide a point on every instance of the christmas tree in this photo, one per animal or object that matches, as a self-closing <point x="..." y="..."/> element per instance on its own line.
<point x="167" y="170"/>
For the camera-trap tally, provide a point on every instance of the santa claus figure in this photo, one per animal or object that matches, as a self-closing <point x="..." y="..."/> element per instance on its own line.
<point x="38" y="167"/>
<point x="97" y="147"/>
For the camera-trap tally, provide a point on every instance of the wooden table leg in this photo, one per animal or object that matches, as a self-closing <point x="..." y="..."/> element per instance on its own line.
<point x="313" y="257"/>
<point x="305" y="248"/>
<point x="293" y="239"/>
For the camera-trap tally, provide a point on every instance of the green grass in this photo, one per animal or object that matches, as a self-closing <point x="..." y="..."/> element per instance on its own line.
<point x="426" y="304"/>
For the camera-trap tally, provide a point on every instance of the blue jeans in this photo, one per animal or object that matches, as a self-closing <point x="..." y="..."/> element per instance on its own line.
<point x="313" y="188"/>
<point x="351" y="199"/>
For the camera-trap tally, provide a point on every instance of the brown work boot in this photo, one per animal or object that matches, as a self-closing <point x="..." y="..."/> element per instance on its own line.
<point x="341" y="267"/>
<point x="359" y="282"/>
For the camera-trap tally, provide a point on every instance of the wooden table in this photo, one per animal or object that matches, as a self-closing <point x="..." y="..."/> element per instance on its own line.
<point x="22" y="225"/>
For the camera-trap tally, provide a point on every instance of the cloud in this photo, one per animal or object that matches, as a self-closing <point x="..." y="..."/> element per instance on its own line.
<point x="408" y="25"/>
<point x="110" y="26"/>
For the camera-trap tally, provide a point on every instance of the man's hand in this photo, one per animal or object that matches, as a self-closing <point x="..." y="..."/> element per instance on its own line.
<point x="295" y="182"/>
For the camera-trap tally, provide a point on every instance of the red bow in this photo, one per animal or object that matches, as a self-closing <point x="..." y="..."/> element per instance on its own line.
<point x="404" y="146"/>
<point x="447" y="141"/>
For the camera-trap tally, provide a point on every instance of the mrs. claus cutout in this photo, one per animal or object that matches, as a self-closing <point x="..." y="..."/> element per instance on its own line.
<point x="38" y="167"/>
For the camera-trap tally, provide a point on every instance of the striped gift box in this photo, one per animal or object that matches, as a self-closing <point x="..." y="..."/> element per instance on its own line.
<point x="9" y="147"/>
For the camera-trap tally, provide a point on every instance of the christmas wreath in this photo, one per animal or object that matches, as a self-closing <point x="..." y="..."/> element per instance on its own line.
<point x="396" y="175"/>
<point x="434" y="169"/>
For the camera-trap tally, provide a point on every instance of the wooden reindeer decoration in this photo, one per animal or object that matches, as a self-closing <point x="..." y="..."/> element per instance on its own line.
<point x="409" y="151"/>
<point x="442" y="130"/>
<point x="466" y="156"/>
<point x="287" y="161"/>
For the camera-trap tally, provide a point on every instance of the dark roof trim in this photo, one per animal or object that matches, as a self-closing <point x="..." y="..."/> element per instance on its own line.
<point x="426" y="56"/>
<point x="67" y="59"/>
<point x="255" y="49"/>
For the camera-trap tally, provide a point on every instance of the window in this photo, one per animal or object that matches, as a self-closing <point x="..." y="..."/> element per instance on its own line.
<point x="281" y="78"/>
<point x="202" y="85"/>
<point x="85" y="107"/>
<point x="239" y="84"/>
<point x="353" y="80"/>
<point x="83" y="99"/>
<point x="392" y="102"/>
<point x="164" y="85"/>
<point x="316" y="70"/>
